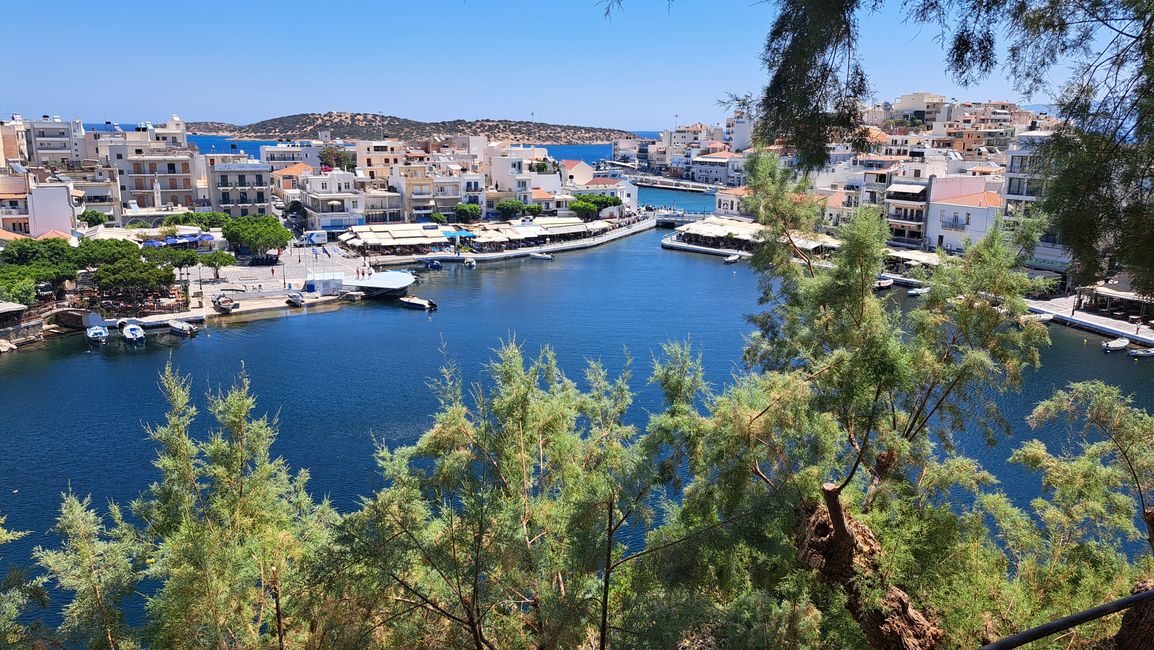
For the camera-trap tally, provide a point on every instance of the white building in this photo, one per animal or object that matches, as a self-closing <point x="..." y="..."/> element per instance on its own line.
<point x="33" y="208"/>
<point x="331" y="201"/>
<point x="55" y="141"/>
<point x="738" y="131"/>
<point x="240" y="188"/>
<point x="952" y="221"/>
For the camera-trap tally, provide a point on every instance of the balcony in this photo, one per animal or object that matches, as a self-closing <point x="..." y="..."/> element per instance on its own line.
<point x="954" y="225"/>
<point x="13" y="212"/>
<point x="907" y="217"/>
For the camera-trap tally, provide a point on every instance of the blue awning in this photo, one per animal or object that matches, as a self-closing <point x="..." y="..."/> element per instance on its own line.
<point x="459" y="233"/>
<point x="171" y="240"/>
<point x="206" y="237"/>
<point x="188" y="237"/>
<point x="152" y="243"/>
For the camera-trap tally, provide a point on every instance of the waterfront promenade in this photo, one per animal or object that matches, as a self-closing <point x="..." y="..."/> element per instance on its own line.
<point x="1063" y="310"/>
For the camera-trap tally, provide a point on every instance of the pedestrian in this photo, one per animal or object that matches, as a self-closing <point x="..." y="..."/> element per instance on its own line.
<point x="273" y="269"/>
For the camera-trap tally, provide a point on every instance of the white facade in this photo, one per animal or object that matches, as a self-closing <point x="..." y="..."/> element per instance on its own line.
<point x="52" y="140"/>
<point x="240" y="189"/>
<point x="331" y="201"/>
<point x="32" y="208"/>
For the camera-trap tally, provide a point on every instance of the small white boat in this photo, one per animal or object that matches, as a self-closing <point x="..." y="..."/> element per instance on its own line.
<point x="97" y="334"/>
<point x="413" y="302"/>
<point x="732" y="259"/>
<point x="133" y="333"/>
<point x="1140" y="352"/>
<point x="1034" y="318"/>
<point x="884" y="283"/>
<point x="181" y="328"/>
<point x="295" y="299"/>
<point x="224" y="304"/>
<point x="918" y="291"/>
<point x="1115" y="345"/>
<point x="352" y="296"/>
<point x="541" y="256"/>
<point x="470" y="263"/>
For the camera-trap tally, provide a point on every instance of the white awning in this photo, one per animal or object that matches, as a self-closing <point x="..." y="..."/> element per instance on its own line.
<point x="346" y="236"/>
<point x="906" y="188"/>
<point x="356" y="242"/>
<point x="568" y="230"/>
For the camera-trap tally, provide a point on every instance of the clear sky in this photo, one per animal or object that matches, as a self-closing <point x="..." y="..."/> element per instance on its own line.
<point x="558" y="60"/>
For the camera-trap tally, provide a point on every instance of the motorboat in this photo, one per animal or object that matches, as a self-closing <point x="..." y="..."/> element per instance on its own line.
<point x="97" y="334"/>
<point x="295" y="299"/>
<point x="733" y="259"/>
<point x="352" y="296"/>
<point x="413" y="302"/>
<point x="1034" y="318"/>
<point x="470" y="263"/>
<point x="1140" y="352"/>
<point x="541" y="256"/>
<point x="1115" y="345"/>
<point x="224" y="304"/>
<point x="433" y="265"/>
<point x="918" y="291"/>
<point x="132" y="333"/>
<point x="883" y="283"/>
<point x="181" y="328"/>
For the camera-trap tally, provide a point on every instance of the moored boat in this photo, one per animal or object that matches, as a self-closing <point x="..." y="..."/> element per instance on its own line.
<point x="181" y="328"/>
<point x="1140" y="352"/>
<point x="97" y="334"/>
<point x="433" y="265"/>
<point x="1035" y="318"/>
<point x="918" y="291"/>
<point x="470" y="263"/>
<point x="413" y="302"/>
<point x="352" y="296"/>
<point x="295" y="299"/>
<point x="1119" y="343"/>
<point x="224" y="304"/>
<point x="541" y="256"/>
<point x="133" y="333"/>
<point x="732" y="259"/>
<point x="883" y="283"/>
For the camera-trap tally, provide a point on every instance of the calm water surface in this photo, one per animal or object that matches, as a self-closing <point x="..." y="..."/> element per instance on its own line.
<point x="71" y="417"/>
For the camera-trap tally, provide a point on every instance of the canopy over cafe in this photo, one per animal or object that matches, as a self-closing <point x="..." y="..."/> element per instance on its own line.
<point x="1116" y="298"/>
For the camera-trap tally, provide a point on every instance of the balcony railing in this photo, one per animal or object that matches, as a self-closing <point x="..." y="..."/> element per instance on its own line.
<point x="953" y="225"/>
<point x="907" y="217"/>
<point x="13" y="212"/>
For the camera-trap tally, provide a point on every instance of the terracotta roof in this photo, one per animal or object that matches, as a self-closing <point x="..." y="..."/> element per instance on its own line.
<point x="570" y="164"/>
<point x="719" y="154"/>
<point x="715" y="143"/>
<point x="976" y="200"/>
<point x="55" y="234"/>
<point x="295" y="169"/>
<point x="736" y="191"/>
<point x="541" y="195"/>
<point x="10" y="236"/>
<point x="12" y="195"/>
<point x="604" y="181"/>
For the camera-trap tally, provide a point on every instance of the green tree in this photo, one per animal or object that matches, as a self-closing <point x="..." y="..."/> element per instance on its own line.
<point x="217" y="260"/>
<point x="337" y="158"/>
<point x="98" y="566"/>
<point x="601" y="201"/>
<point x="17" y="593"/>
<point x="584" y="209"/>
<point x="177" y="258"/>
<point x="258" y="233"/>
<point x="17" y="288"/>
<point x="437" y="217"/>
<point x="205" y="220"/>
<point x="133" y="279"/>
<point x="95" y="252"/>
<point x="510" y="208"/>
<point x="467" y="212"/>
<point x="55" y="252"/>
<point x="533" y="209"/>
<point x="92" y="218"/>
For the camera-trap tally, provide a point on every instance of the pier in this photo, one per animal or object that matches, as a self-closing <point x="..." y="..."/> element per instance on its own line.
<point x="664" y="183"/>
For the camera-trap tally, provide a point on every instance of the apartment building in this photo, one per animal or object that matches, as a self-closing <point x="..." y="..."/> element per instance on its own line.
<point x="286" y="181"/>
<point x="954" y="220"/>
<point x="738" y="131"/>
<point x="13" y="141"/>
<point x="375" y="158"/>
<point x="414" y="182"/>
<point x="240" y="188"/>
<point x="331" y="201"/>
<point x="32" y="207"/>
<point x="721" y="167"/>
<point x="52" y="141"/>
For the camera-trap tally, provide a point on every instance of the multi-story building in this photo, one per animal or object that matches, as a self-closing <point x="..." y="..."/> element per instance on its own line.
<point x="1024" y="181"/>
<point x="286" y="181"/>
<point x="952" y="221"/>
<point x="721" y="167"/>
<point x="415" y="184"/>
<point x="331" y="201"/>
<point x="154" y="177"/>
<point x="13" y="141"/>
<point x="239" y="188"/>
<point x="739" y="131"/>
<point x="729" y="202"/>
<point x="375" y="158"/>
<point x="608" y="186"/>
<point x="576" y="172"/>
<point x="52" y="141"/>
<point x="31" y="206"/>
<point x="383" y="206"/>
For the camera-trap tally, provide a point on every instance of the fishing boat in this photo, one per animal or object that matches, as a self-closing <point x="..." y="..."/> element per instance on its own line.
<point x="413" y="302"/>
<point x="132" y="333"/>
<point x="97" y="334"/>
<point x="918" y="291"/>
<point x="352" y="296"/>
<point x="224" y="304"/>
<point x="884" y="283"/>
<point x="181" y="328"/>
<point x="295" y="299"/>
<point x="470" y="263"/>
<point x="1034" y="318"/>
<point x="541" y="256"/>
<point x="1119" y="343"/>
<point x="732" y="259"/>
<point x="1141" y="352"/>
<point x="433" y="265"/>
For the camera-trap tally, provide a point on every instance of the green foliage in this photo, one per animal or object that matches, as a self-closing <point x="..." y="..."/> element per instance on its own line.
<point x="337" y="158"/>
<point x="17" y="593"/>
<point x="205" y="220"/>
<point x="217" y="260"/>
<point x="437" y="217"/>
<point x="258" y="233"/>
<point x="95" y="252"/>
<point x="584" y="209"/>
<point x="17" y="288"/>
<point x="92" y="218"/>
<point x="133" y="278"/>
<point x="602" y="201"/>
<point x="467" y="212"/>
<point x="55" y="252"/>
<point x="533" y="209"/>
<point x="177" y="258"/>
<point x="510" y="208"/>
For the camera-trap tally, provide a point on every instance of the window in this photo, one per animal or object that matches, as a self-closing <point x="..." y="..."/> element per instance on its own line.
<point x="240" y="180"/>
<point x="244" y="212"/>
<point x="120" y="156"/>
<point x="171" y="168"/>
<point x="917" y="173"/>
<point x="260" y="179"/>
<point x="260" y="197"/>
<point x="324" y="186"/>
<point x="223" y="180"/>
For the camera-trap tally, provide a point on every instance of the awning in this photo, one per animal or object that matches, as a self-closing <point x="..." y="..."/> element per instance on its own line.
<point x="356" y="242"/>
<point x="335" y="203"/>
<point x="171" y="241"/>
<point x="906" y="188"/>
<point x="77" y="193"/>
<point x="453" y="234"/>
<point x="346" y="236"/>
<point x="530" y="231"/>
<point x="152" y="243"/>
<point x="206" y="237"/>
<point x="569" y="230"/>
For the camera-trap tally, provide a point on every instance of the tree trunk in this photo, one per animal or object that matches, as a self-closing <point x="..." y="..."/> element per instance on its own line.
<point x="840" y="549"/>
<point x="1137" y="631"/>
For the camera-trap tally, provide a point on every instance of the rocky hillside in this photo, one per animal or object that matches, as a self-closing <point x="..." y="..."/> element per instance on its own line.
<point x="363" y="126"/>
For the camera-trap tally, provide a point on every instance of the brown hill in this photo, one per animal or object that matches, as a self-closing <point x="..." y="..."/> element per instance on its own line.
<point x="365" y="126"/>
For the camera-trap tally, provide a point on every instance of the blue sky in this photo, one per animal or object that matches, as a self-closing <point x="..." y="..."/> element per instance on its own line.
<point x="558" y="60"/>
